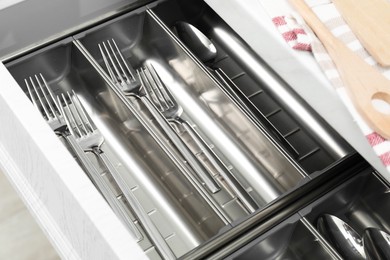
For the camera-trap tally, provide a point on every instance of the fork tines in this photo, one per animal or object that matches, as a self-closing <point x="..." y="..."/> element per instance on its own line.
<point x="155" y="88"/>
<point x="74" y="114"/>
<point x="120" y="71"/>
<point x="43" y="98"/>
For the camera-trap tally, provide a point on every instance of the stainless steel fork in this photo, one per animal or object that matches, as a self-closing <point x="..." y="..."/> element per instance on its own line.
<point x="120" y="72"/>
<point x="90" y="139"/>
<point x="168" y="106"/>
<point x="122" y="75"/>
<point x="43" y="99"/>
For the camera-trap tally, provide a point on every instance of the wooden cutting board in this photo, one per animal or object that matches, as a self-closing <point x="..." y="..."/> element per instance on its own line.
<point x="370" y="22"/>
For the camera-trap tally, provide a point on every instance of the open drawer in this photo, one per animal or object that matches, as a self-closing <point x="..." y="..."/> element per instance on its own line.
<point x="358" y="203"/>
<point x="233" y="155"/>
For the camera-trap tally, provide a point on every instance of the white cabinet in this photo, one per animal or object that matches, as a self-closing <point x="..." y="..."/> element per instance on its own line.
<point x="64" y="201"/>
<point x="55" y="189"/>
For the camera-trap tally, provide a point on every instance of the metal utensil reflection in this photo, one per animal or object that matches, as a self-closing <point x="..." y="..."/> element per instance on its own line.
<point x="376" y="244"/>
<point x="90" y="139"/>
<point x="123" y="76"/>
<point x="43" y="99"/>
<point x="168" y="106"/>
<point x="196" y="41"/>
<point x="171" y="110"/>
<point x="342" y="236"/>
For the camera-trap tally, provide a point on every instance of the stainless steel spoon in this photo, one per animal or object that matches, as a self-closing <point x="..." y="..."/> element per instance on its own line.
<point x="342" y="236"/>
<point x="196" y="41"/>
<point x="376" y="244"/>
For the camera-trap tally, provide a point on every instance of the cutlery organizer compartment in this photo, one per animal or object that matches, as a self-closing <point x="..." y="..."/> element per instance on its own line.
<point x="243" y="149"/>
<point x="343" y="216"/>
<point x="291" y="239"/>
<point x="174" y="204"/>
<point x="302" y="133"/>
<point x="360" y="202"/>
<point x="247" y="157"/>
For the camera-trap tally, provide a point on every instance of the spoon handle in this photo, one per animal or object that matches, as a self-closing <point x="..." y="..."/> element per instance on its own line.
<point x="363" y="83"/>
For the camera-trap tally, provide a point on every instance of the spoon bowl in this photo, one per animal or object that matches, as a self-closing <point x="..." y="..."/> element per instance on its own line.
<point x="196" y="41"/>
<point x="341" y="236"/>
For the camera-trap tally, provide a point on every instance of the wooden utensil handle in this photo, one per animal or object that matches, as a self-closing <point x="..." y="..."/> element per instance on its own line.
<point x="370" y="22"/>
<point x="362" y="82"/>
<point x="314" y="22"/>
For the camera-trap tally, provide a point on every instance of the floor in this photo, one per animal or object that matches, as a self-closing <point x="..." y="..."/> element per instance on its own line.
<point x="20" y="236"/>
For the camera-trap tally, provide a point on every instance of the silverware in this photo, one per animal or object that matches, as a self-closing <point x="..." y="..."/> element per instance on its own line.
<point x="90" y="139"/>
<point x="342" y="236"/>
<point x="236" y="140"/>
<point x="120" y="72"/>
<point x="172" y="111"/>
<point x="196" y="41"/>
<point x="167" y="105"/>
<point x="122" y="76"/>
<point x="190" y="165"/>
<point x="205" y="50"/>
<point x="43" y="99"/>
<point x="376" y="244"/>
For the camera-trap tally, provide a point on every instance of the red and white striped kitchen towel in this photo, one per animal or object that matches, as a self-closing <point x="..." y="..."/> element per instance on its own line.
<point x="299" y="36"/>
<point x="292" y="32"/>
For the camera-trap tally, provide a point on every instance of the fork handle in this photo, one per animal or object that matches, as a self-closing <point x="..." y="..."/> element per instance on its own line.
<point x="151" y="229"/>
<point x="117" y="206"/>
<point x="242" y="195"/>
<point x="183" y="149"/>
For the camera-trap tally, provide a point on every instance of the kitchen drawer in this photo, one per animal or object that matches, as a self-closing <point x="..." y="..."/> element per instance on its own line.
<point x="71" y="210"/>
<point x="55" y="189"/>
<point x="291" y="239"/>
<point x="358" y="202"/>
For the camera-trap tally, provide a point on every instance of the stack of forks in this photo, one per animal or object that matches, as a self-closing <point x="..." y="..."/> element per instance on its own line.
<point x="67" y="116"/>
<point x="163" y="106"/>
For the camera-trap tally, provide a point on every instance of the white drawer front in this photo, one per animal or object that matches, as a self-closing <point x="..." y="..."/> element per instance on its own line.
<point x="56" y="190"/>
